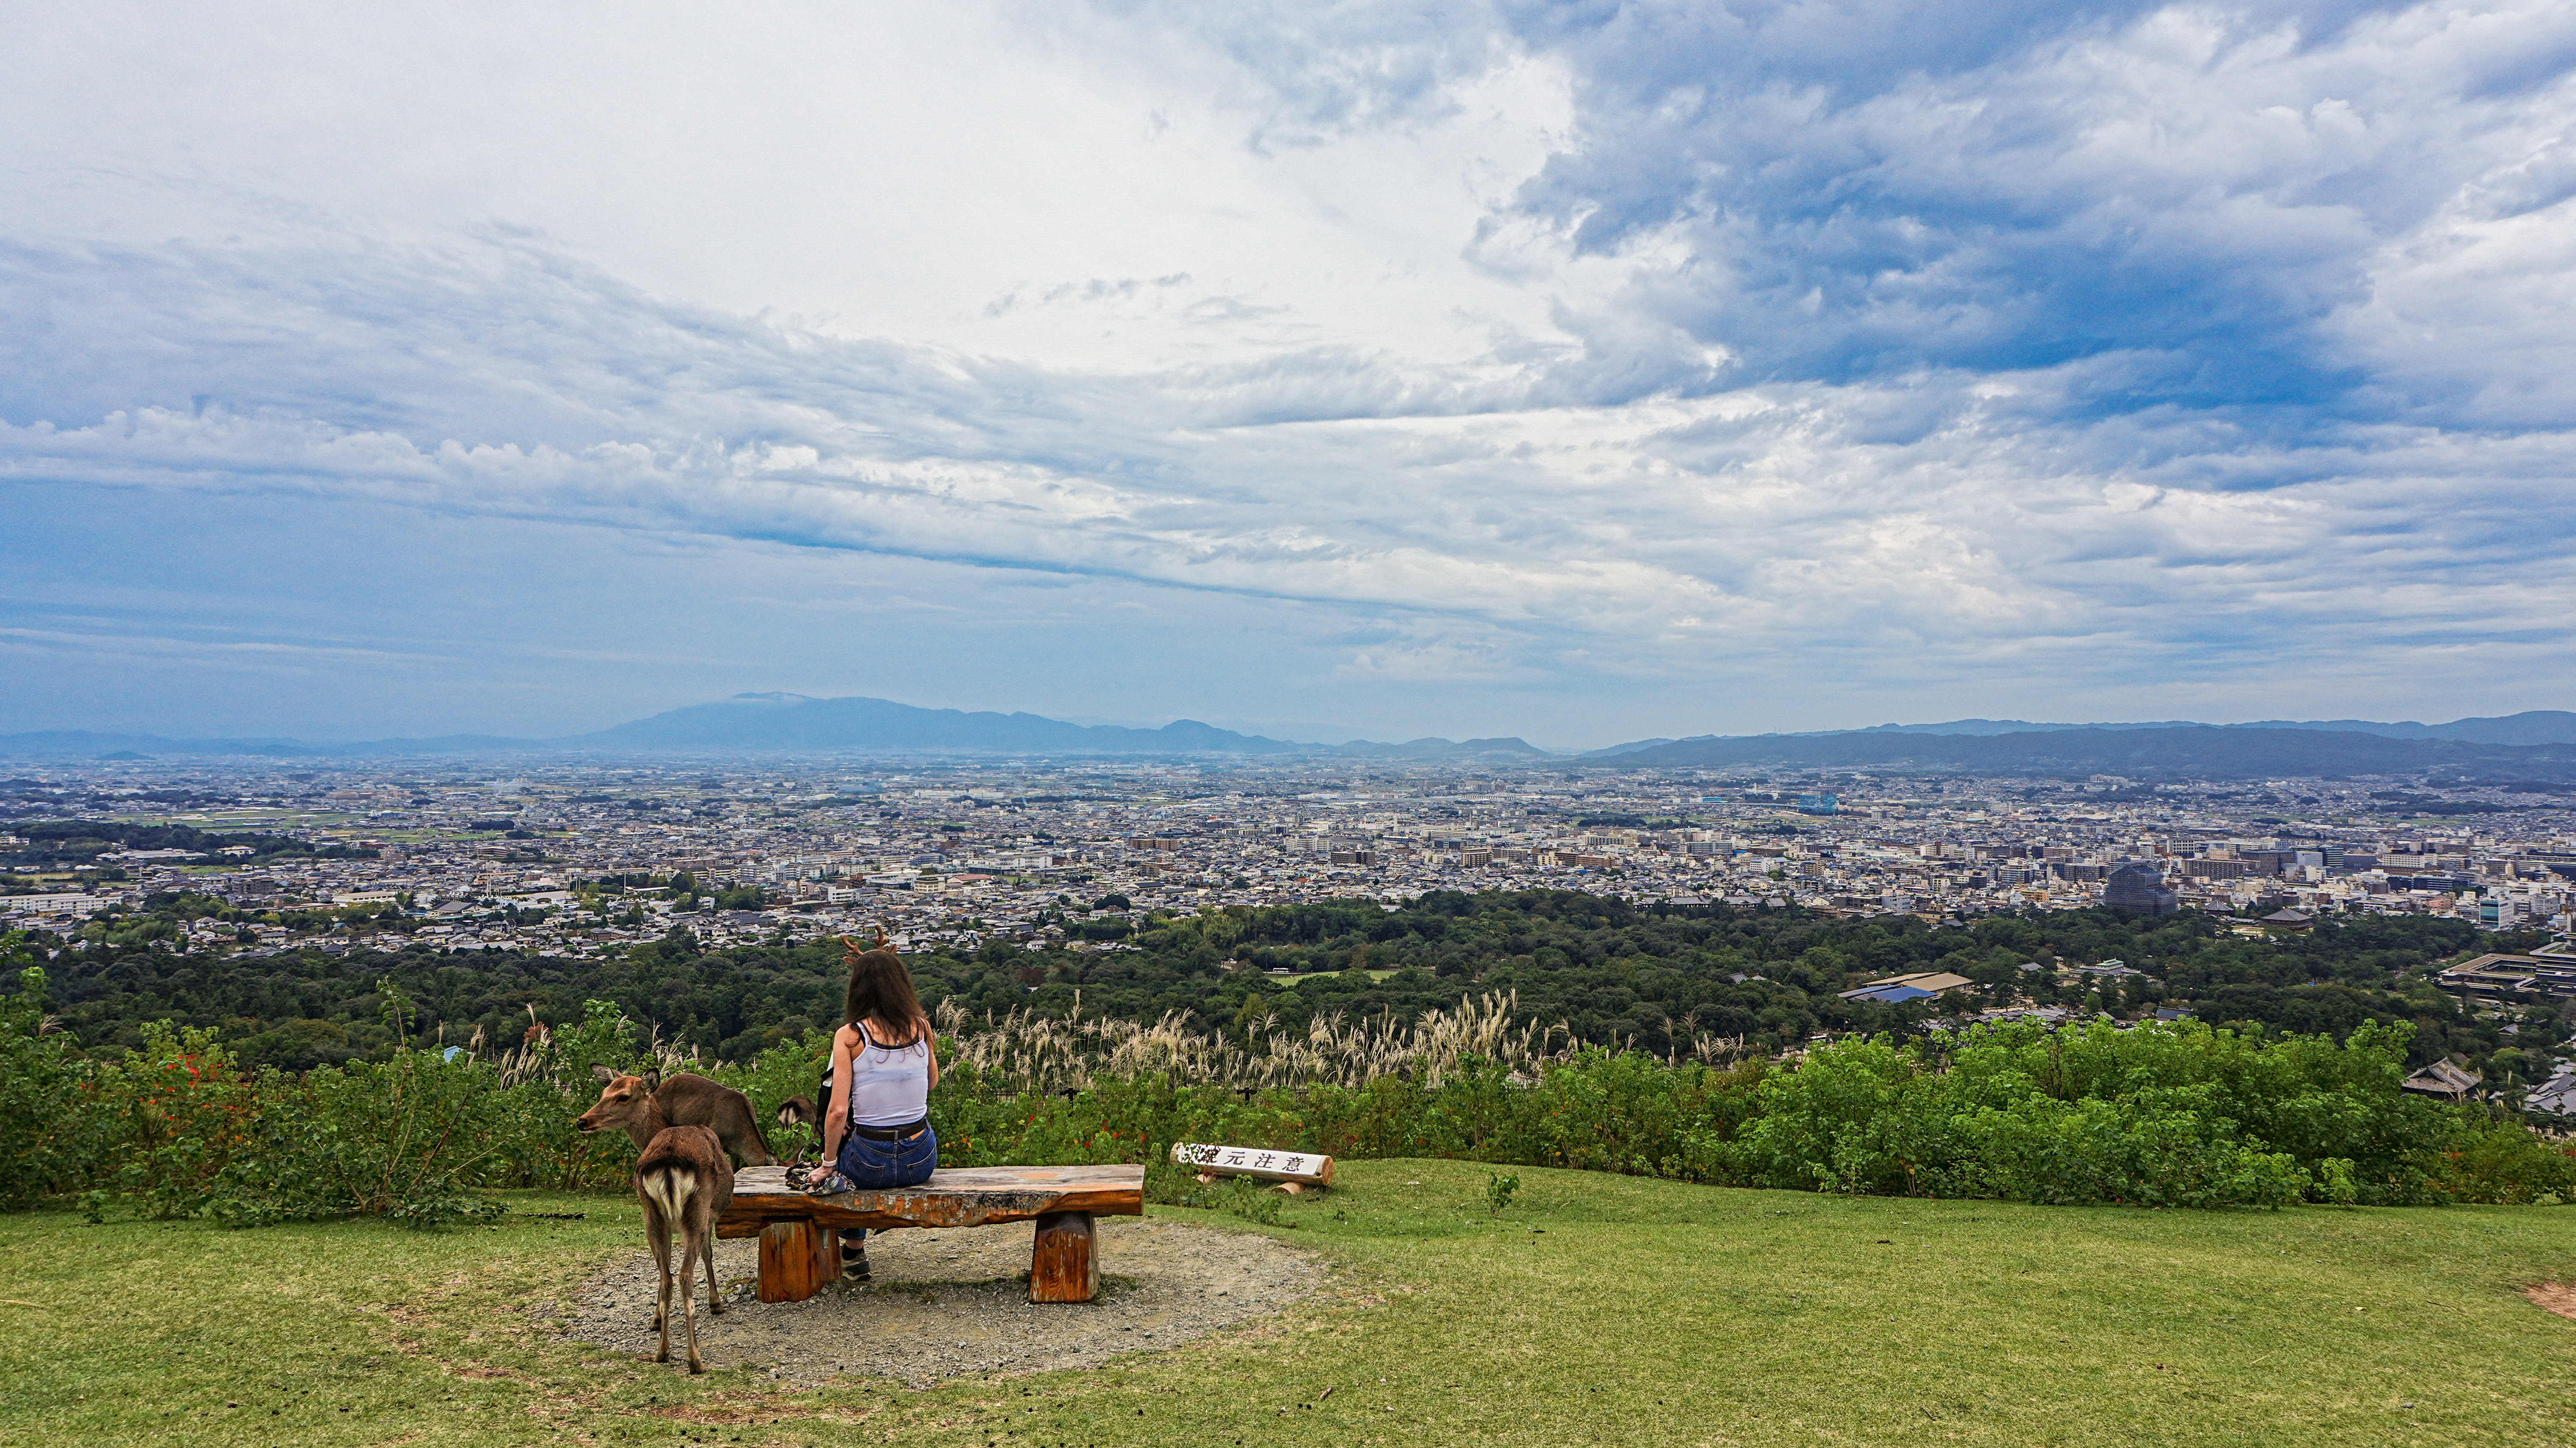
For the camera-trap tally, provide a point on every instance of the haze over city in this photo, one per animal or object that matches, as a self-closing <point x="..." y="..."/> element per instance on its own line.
<point x="1460" y="369"/>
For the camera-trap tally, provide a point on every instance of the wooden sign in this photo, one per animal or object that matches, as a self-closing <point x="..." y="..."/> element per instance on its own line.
<point x="1207" y="1159"/>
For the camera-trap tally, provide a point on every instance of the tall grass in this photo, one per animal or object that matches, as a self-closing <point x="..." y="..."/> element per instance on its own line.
<point x="1026" y="1051"/>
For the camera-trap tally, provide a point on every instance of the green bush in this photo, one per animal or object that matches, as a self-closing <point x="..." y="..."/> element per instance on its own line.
<point x="774" y="1077"/>
<point x="407" y="1139"/>
<point x="535" y="1144"/>
<point x="2156" y="1115"/>
<point x="2177" y="1114"/>
<point x="2500" y="1163"/>
<point x="166" y="1122"/>
<point x="177" y="1129"/>
<point x="42" y="1150"/>
<point x="2182" y="1115"/>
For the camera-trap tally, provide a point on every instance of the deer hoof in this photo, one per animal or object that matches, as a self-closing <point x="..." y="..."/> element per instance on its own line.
<point x="696" y="1366"/>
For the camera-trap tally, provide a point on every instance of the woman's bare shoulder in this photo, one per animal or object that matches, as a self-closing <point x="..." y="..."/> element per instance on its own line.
<point x="886" y="1035"/>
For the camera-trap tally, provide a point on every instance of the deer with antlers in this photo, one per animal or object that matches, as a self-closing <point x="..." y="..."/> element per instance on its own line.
<point x="684" y="1178"/>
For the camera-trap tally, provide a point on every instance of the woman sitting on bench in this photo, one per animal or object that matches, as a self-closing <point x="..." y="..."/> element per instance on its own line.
<point x="876" y="1130"/>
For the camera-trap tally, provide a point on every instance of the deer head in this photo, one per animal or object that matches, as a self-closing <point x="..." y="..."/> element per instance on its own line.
<point x="625" y="1104"/>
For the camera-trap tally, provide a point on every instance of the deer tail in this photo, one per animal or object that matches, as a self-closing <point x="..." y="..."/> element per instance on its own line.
<point x="670" y="1187"/>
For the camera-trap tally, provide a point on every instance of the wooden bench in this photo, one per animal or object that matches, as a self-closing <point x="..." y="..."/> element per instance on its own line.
<point x="800" y="1249"/>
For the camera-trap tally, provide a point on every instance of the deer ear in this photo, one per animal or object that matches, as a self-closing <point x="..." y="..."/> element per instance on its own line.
<point x="652" y="1082"/>
<point x="602" y="1074"/>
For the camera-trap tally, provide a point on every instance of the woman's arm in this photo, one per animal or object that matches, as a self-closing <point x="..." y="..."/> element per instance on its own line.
<point x="836" y="1112"/>
<point x="930" y="1039"/>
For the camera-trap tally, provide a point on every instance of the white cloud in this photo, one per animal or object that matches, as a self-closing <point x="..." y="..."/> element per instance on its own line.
<point x="1661" y="372"/>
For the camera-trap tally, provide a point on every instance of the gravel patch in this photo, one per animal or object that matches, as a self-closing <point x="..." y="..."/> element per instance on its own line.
<point x="954" y="1303"/>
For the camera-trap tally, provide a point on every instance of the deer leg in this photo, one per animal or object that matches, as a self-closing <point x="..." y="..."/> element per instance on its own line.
<point x="692" y="1235"/>
<point x="658" y="1233"/>
<point x="715" y="1285"/>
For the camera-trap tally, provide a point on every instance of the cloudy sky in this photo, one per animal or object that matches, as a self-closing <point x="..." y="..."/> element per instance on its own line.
<point x="1581" y="371"/>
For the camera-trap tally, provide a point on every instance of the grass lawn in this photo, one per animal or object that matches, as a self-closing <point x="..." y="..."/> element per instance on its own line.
<point x="1597" y="1309"/>
<point x="1294" y="980"/>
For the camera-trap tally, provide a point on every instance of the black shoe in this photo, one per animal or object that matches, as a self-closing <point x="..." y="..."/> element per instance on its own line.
<point x="854" y="1263"/>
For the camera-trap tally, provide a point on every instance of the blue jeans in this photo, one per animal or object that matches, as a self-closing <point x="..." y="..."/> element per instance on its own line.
<point x="874" y="1165"/>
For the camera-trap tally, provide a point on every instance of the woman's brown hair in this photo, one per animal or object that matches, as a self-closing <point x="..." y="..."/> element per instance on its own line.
<point x="881" y="990"/>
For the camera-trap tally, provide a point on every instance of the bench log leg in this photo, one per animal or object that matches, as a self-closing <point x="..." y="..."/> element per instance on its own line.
<point x="1064" y="1267"/>
<point x="797" y="1260"/>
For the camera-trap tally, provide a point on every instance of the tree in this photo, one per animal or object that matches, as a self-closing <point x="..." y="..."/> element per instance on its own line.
<point x="40" y="1082"/>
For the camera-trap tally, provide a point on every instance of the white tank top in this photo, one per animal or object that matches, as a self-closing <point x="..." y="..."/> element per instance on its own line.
<point x="889" y="1087"/>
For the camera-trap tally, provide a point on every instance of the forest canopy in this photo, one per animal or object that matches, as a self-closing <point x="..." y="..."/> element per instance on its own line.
<point x="1651" y="977"/>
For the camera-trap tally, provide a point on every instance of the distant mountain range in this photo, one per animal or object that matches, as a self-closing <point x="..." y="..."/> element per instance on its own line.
<point x="792" y="723"/>
<point x="2533" y="726"/>
<point x="2538" y="745"/>
<point x="784" y="724"/>
<point x="2533" y="745"/>
<point x="2146" y="752"/>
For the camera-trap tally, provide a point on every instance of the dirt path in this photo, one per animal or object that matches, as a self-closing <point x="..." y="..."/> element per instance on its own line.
<point x="954" y="1303"/>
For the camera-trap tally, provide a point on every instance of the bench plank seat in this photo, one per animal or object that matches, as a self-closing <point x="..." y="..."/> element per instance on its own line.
<point x="798" y="1258"/>
<point x="961" y="1197"/>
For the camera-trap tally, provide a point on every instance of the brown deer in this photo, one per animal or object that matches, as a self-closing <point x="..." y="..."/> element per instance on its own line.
<point x="682" y="1176"/>
<point x="689" y="1100"/>
<point x="797" y="1111"/>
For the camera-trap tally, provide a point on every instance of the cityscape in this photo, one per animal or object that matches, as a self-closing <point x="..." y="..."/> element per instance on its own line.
<point x="478" y="857"/>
